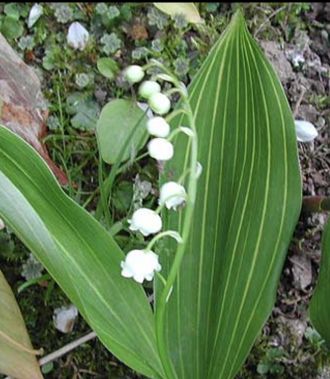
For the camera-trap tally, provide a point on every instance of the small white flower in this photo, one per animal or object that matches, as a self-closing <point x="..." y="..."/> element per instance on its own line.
<point x="305" y="130"/>
<point x="140" y="265"/>
<point x="160" y="149"/>
<point x="35" y="12"/>
<point x="146" y="221"/>
<point x="134" y="74"/>
<point x="2" y="224"/>
<point x="157" y="126"/>
<point x="172" y="194"/>
<point x="159" y="103"/>
<point x="77" y="36"/>
<point x="148" y="88"/>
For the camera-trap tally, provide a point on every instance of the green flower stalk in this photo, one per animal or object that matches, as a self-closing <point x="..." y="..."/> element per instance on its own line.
<point x="172" y="194"/>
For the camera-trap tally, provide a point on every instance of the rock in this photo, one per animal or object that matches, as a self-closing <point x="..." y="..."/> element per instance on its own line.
<point x="23" y="108"/>
<point x="308" y="112"/>
<point x="278" y="58"/>
<point x="296" y="328"/>
<point x="64" y="318"/>
<point x="301" y="270"/>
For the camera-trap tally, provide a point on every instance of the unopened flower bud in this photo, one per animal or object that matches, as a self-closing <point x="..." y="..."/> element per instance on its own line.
<point x="160" y="149"/>
<point x="2" y="224"/>
<point x="159" y="103"/>
<point x="148" y="88"/>
<point x="134" y="74"/>
<point x="157" y="126"/>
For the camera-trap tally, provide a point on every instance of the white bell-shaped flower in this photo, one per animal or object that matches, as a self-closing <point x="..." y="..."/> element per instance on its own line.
<point x="148" y="88"/>
<point x="157" y="126"/>
<point x="35" y="12"/>
<point x="172" y="194"/>
<point x="160" y="149"/>
<point x="306" y="131"/>
<point x="134" y="74"/>
<point x="77" y="36"/>
<point x="146" y="221"/>
<point x="140" y="265"/>
<point x="2" y="224"/>
<point x="159" y="103"/>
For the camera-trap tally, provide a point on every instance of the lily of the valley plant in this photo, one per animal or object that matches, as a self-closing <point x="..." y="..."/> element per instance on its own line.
<point x="215" y="241"/>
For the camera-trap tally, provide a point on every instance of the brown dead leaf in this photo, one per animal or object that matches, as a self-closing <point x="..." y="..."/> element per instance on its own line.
<point x="22" y="105"/>
<point x="302" y="271"/>
<point x="138" y="32"/>
<point x="17" y="357"/>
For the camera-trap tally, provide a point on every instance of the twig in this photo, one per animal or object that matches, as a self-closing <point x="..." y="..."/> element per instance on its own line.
<point x="268" y="19"/>
<point x="296" y="108"/>
<point x="65" y="349"/>
<point x="72" y="345"/>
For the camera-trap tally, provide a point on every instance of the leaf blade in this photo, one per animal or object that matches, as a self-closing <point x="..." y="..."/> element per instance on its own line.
<point x="117" y="121"/>
<point x="78" y="253"/>
<point x="319" y="309"/>
<point x="248" y="194"/>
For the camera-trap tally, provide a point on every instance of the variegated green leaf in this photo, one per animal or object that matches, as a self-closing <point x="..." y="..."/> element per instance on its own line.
<point x="78" y="252"/>
<point x="248" y="202"/>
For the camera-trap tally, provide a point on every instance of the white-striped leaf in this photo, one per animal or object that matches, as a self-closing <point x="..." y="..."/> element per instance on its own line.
<point x="248" y="202"/>
<point x="78" y="252"/>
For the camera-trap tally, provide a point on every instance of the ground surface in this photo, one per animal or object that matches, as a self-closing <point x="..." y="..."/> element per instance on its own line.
<point x="294" y="36"/>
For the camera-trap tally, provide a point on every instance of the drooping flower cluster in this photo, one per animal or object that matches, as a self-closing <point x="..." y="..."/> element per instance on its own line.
<point x="143" y="264"/>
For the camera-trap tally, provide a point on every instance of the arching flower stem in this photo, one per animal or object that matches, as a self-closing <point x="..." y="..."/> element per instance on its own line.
<point x="163" y="298"/>
<point x="170" y="233"/>
<point x="162" y="279"/>
<point x="175" y="113"/>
